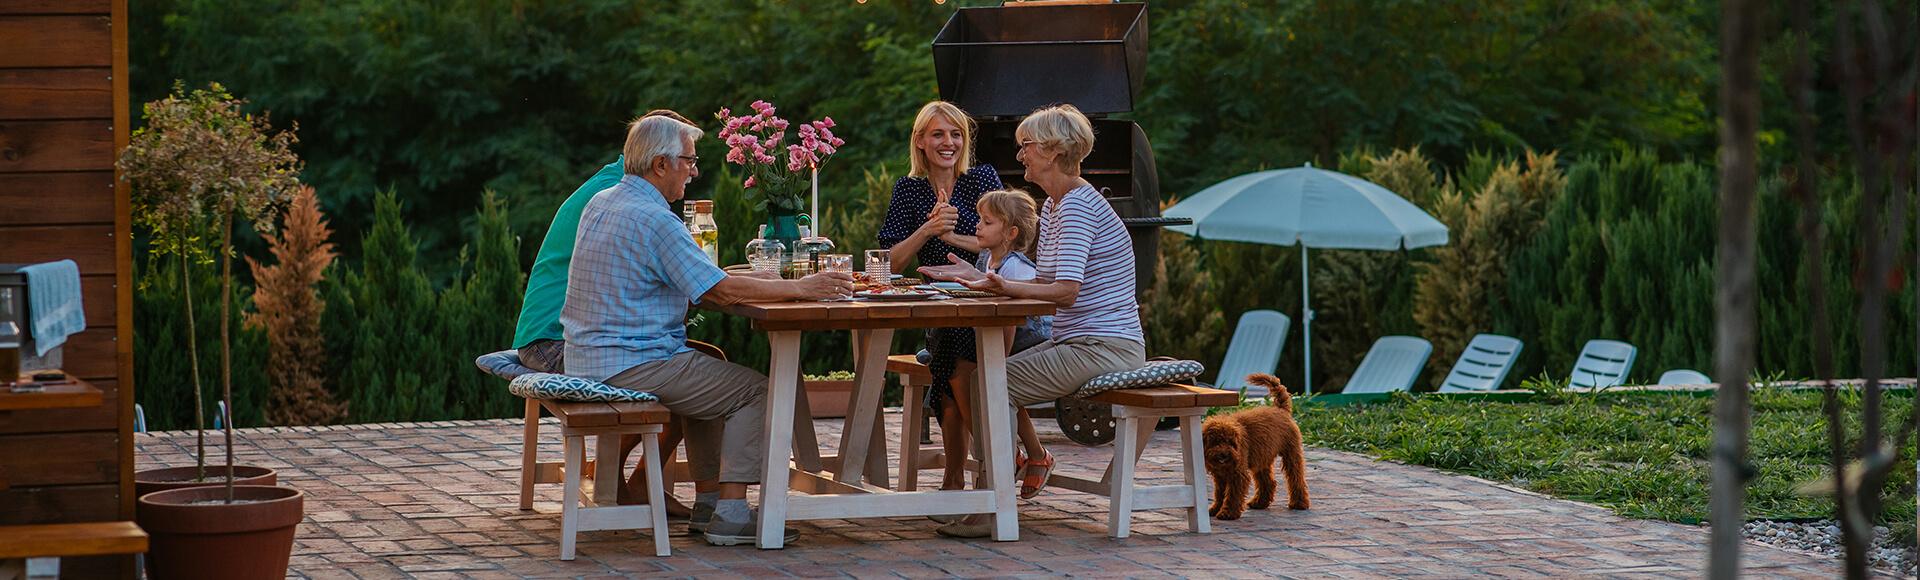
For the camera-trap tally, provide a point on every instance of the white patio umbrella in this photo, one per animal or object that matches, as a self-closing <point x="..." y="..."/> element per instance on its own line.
<point x="1312" y="207"/>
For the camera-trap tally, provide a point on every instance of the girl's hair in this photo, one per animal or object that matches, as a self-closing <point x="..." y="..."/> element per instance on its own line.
<point x="1015" y="208"/>
<point x="951" y="113"/>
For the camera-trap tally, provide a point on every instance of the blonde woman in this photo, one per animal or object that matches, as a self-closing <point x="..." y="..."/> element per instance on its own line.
<point x="930" y="217"/>
<point x="1084" y="266"/>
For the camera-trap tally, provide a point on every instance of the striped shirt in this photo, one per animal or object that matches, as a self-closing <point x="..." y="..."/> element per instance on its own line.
<point x="634" y="272"/>
<point x="1082" y="240"/>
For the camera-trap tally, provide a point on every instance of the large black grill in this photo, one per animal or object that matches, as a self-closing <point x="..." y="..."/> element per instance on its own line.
<point x="1000" y="63"/>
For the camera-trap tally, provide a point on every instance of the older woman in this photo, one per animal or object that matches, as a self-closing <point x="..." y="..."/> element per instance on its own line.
<point x="930" y="217"/>
<point x="1085" y="263"/>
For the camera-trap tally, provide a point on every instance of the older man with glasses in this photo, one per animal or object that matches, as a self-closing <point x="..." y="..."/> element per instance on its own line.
<point x="634" y="272"/>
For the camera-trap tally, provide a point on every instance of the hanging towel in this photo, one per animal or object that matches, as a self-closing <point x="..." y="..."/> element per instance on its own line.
<point x="53" y="301"/>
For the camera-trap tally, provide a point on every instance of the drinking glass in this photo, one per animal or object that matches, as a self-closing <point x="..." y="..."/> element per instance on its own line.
<point x="838" y="262"/>
<point x="877" y="267"/>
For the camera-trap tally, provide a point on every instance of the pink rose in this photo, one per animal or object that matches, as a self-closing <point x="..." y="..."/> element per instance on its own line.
<point x="737" y="156"/>
<point x="828" y="122"/>
<point x="722" y="114"/>
<point x="749" y="182"/>
<point x="837" y="141"/>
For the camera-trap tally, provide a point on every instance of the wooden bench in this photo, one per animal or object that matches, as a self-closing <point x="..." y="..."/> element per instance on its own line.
<point x="43" y="546"/>
<point x="1135" y="412"/>
<point x="607" y="422"/>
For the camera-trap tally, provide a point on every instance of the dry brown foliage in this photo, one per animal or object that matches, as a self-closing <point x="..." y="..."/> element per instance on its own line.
<point x="290" y="312"/>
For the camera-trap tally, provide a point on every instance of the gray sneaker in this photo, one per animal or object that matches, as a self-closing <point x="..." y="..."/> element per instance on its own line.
<point x="730" y="533"/>
<point x="702" y="514"/>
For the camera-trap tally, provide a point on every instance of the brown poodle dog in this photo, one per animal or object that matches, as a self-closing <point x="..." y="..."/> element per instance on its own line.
<point x="1241" y="447"/>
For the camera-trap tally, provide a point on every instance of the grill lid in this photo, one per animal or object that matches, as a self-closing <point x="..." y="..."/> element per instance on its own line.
<point x="1010" y="60"/>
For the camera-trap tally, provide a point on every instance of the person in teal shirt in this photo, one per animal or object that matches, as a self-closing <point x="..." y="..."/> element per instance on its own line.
<point x="538" y="334"/>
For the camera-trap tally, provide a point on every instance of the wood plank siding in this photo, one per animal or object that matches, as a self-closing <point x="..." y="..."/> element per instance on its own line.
<point x="64" y="112"/>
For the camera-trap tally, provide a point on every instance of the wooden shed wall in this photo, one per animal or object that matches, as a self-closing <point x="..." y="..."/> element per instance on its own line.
<point x="63" y="113"/>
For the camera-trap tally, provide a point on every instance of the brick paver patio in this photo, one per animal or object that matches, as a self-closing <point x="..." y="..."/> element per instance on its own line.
<point x="440" y="500"/>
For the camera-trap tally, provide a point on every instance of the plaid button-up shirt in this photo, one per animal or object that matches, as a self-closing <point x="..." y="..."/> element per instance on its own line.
<point x="635" y="269"/>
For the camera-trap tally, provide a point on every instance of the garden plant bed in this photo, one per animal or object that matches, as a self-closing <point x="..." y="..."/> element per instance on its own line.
<point x="1642" y="454"/>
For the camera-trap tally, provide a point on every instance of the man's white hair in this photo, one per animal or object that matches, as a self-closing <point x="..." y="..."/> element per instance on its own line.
<point x="651" y="137"/>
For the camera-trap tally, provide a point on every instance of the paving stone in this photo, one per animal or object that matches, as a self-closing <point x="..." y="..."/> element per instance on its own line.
<point x="441" y="500"/>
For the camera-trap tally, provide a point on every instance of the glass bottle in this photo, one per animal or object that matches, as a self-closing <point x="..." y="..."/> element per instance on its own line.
<point x="705" y="231"/>
<point x="10" y="338"/>
<point x="686" y="214"/>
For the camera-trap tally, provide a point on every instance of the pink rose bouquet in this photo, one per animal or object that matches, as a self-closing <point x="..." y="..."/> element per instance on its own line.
<point x="755" y="141"/>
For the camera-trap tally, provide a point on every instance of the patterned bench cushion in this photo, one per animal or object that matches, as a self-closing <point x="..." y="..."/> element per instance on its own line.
<point x="566" y="388"/>
<point x="504" y="364"/>
<point x="1155" y="373"/>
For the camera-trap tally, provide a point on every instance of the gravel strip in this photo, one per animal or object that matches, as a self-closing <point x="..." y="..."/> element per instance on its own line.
<point x="1823" y="537"/>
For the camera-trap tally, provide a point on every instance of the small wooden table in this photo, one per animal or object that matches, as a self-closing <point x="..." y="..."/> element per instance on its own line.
<point x="843" y="495"/>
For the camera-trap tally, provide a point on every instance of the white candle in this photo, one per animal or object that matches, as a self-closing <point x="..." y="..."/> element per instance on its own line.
<point x="816" y="201"/>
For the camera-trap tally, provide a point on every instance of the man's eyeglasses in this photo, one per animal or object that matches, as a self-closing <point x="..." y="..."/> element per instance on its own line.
<point x="691" y="159"/>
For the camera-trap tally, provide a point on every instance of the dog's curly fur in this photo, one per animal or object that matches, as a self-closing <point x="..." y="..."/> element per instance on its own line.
<point x="1241" y="447"/>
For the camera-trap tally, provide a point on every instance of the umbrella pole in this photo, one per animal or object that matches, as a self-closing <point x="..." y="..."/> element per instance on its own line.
<point x="1306" y="320"/>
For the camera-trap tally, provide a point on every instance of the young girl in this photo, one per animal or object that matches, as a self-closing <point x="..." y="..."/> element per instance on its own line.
<point x="1008" y="227"/>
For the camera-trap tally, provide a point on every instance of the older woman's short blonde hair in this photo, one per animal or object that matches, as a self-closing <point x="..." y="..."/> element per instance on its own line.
<point x="1059" y="130"/>
<point x="655" y="135"/>
<point x="950" y="113"/>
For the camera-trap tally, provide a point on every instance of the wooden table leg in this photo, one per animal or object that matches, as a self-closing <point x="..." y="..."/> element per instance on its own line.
<point x="994" y="423"/>
<point x="783" y="383"/>
<point x="606" y="470"/>
<point x="806" y="442"/>
<point x="870" y="377"/>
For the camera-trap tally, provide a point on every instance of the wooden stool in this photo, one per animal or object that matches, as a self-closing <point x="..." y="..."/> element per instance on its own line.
<point x="1135" y="412"/>
<point x="606" y="422"/>
<point x="42" y="546"/>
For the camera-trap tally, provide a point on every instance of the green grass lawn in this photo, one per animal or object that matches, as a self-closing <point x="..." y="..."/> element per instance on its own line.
<point x="1641" y="455"/>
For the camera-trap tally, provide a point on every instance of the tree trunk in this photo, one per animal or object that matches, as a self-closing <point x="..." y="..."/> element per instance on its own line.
<point x="1734" y="317"/>
<point x="193" y="359"/>
<point x="226" y="340"/>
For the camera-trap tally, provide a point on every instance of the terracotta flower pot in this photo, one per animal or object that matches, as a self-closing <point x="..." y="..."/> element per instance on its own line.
<point x="194" y="534"/>
<point x="152" y="480"/>
<point x="829" y="399"/>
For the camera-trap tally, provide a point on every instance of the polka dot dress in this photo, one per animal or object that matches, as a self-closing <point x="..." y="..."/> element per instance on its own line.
<point x="913" y="198"/>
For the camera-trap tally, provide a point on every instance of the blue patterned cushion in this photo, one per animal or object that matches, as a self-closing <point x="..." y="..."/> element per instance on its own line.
<point x="1156" y="373"/>
<point x="504" y="364"/>
<point x="566" y="388"/>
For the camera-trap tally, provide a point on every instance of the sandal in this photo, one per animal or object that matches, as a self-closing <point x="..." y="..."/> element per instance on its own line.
<point x="1030" y="485"/>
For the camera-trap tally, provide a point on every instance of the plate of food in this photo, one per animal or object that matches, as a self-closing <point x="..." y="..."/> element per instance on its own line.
<point x="896" y="294"/>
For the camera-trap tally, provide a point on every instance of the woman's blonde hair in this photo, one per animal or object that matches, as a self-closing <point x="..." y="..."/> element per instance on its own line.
<point x="1060" y="130"/>
<point x="951" y="113"/>
<point x="1015" y="208"/>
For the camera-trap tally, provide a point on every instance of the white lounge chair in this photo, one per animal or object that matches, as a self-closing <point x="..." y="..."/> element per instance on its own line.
<point x="1392" y="364"/>
<point x="1484" y="365"/>
<point x="1256" y="345"/>
<point x="1684" y="377"/>
<point x="1603" y="363"/>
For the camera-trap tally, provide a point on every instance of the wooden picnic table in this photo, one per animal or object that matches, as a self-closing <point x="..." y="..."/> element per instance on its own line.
<point x="844" y="495"/>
